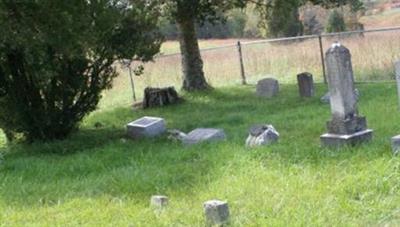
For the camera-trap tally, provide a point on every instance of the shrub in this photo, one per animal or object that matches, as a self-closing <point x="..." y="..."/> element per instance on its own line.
<point x="336" y="22"/>
<point x="56" y="57"/>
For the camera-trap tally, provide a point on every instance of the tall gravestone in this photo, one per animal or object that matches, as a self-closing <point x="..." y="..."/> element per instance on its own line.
<point x="396" y="139"/>
<point x="346" y="127"/>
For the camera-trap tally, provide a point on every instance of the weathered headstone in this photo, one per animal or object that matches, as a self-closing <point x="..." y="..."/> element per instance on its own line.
<point x="306" y="84"/>
<point x="346" y="126"/>
<point x="267" y="87"/>
<point x="204" y="135"/>
<point x="146" y="127"/>
<point x="262" y="135"/>
<point x="396" y="145"/>
<point x="216" y="212"/>
<point x="158" y="201"/>
<point x="397" y="70"/>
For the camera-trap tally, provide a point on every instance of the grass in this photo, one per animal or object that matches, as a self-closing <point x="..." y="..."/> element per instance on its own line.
<point x="98" y="178"/>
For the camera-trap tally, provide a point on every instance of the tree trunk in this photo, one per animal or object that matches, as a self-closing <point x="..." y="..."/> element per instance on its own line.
<point x="155" y="97"/>
<point x="192" y="64"/>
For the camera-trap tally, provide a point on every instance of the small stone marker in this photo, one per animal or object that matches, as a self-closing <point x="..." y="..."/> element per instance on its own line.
<point x="262" y="135"/>
<point x="306" y="84"/>
<point x="346" y="126"/>
<point x="397" y="70"/>
<point x="216" y="212"/>
<point x="146" y="127"/>
<point x="267" y="87"/>
<point x="158" y="201"/>
<point x="396" y="145"/>
<point x="204" y="135"/>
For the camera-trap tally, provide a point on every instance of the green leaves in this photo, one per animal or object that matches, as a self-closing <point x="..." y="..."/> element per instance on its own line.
<point x="56" y="58"/>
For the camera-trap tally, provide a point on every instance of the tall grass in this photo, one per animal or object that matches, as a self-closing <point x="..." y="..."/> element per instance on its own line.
<point x="98" y="178"/>
<point x="373" y="56"/>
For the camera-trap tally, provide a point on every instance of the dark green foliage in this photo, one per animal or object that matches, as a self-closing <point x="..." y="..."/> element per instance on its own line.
<point x="56" y="57"/>
<point x="282" y="19"/>
<point x="335" y="22"/>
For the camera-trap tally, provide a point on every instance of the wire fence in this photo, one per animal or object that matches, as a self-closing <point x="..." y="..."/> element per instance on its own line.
<point x="373" y="55"/>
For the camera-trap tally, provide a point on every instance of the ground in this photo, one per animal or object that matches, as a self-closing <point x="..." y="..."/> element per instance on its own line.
<point x="99" y="178"/>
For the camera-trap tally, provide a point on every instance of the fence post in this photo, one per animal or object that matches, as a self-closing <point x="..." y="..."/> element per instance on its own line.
<point x="242" y="73"/>
<point x="132" y="83"/>
<point x="321" y="49"/>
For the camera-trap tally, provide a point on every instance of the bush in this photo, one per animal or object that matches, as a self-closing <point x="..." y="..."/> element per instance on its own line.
<point x="336" y="22"/>
<point x="56" y="57"/>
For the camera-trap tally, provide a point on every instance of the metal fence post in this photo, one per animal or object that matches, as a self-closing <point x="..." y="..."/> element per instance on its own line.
<point x="132" y="83"/>
<point x="242" y="73"/>
<point x="321" y="49"/>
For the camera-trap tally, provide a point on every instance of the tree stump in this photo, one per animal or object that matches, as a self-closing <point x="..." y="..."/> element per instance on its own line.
<point x="155" y="97"/>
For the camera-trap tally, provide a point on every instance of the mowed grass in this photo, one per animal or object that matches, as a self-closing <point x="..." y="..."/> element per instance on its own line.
<point x="100" y="178"/>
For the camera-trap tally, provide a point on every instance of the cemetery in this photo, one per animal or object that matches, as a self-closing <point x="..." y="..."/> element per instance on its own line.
<point x="267" y="152"/>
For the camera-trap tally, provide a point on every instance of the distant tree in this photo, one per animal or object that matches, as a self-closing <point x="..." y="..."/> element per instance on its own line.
<point x="282" y="17"/>
<point x="56" y="57"/>
<point x="335" y="22"/>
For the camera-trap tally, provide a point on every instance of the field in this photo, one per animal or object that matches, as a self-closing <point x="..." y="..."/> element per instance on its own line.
<point x="98" y="178"/>
<point x="373" y="56"/>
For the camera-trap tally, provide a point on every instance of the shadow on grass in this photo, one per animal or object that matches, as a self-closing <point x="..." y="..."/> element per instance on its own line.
<point x="99" y="162"/>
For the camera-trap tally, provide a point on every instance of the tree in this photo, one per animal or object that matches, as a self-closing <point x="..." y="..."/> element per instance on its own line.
<point x="56" y="57"/>
<point x="186" y="13"/>
<point x="282" y="18"/>
<point x="335" y="22"/>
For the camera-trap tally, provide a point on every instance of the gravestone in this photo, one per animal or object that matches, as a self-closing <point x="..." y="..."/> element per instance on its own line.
<point x="158" y="201"/>
<point x="396" y="139"/>
<point x="346" y="126"/>
<point x="146" y="127"/>
<point x="216" y="213"/>
<point x="267" y="87"/>
<point x="396" y="145"/>
<point x="204" y="135"/>
<point x="306" y="84"/>
<point x="262" y="135"/>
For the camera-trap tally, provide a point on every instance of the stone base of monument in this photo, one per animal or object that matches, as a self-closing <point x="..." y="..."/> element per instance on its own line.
<point x="338" y="140"/>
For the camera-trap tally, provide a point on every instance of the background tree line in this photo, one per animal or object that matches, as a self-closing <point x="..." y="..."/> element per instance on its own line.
<point x="281" y="19"/>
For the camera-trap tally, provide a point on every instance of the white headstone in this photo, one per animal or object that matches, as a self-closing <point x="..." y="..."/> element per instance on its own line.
<point x="204" y="135"/>
<point x="341" y="82"/>
<point x="146" y="127"/>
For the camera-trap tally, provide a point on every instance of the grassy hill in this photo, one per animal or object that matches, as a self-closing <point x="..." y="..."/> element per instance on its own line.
<point x="99" y="178"/>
